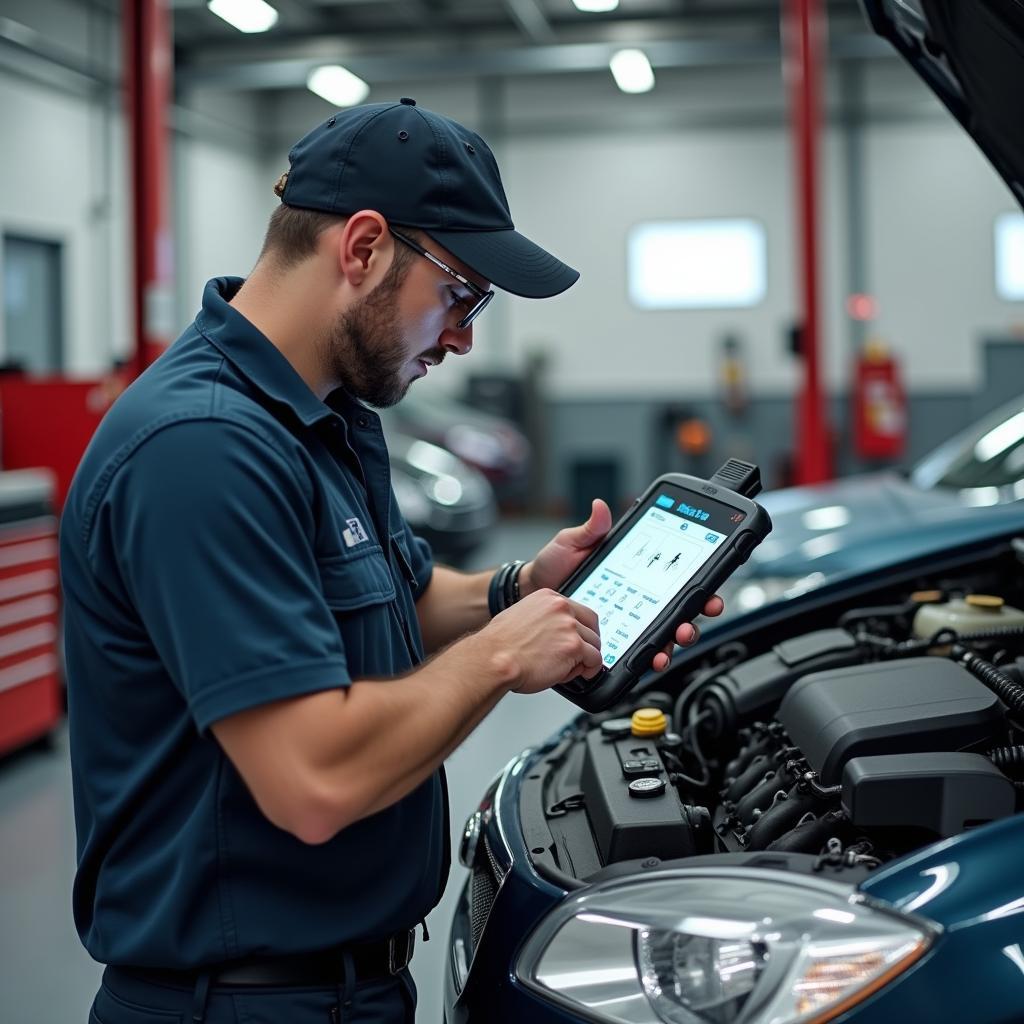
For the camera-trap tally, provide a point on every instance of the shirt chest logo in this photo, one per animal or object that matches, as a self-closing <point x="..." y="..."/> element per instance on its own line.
<point x="354" y="533"/>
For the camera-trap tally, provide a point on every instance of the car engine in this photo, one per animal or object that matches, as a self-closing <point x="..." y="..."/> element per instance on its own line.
<point x="882" y="727"/>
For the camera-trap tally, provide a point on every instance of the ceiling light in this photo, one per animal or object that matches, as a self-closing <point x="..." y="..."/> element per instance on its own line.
<point x="596" y="6"/>
<point x="337" y="85"/>
<point x="245" y="15"/>
<point x="632" y="71"/>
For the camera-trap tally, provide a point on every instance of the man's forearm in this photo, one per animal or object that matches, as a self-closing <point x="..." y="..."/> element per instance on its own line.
<point x="316" y="764"/>
<point x="454" y="604"/>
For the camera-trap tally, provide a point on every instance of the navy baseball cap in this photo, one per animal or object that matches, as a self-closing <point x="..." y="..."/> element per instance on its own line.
<point x="421" y="169"/>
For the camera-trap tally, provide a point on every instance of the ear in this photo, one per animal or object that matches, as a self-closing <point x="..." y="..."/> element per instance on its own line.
<point x="365" y="248"/>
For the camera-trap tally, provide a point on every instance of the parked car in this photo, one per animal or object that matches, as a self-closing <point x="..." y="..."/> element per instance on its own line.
<point x="829" y="825"/>
<point x="490" y="444"/>
<point x="445" y="500"/>
<point x="961" y="490"/>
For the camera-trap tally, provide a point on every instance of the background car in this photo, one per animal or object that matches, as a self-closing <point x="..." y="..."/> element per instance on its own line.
<point x="445" y="500"/>
<point x="829" y="823"/>
<point x="960" y="491"/>
<point x="492" y="445"/>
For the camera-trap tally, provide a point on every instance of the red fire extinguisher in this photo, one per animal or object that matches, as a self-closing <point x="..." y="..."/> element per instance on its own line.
<point x="879" y="404"/>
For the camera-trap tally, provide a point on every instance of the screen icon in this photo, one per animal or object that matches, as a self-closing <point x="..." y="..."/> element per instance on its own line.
<point x="664" y="501"/>
<point x="737" y="517"/>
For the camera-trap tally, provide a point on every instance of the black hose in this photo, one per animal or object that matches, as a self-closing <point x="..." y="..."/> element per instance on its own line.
<point x="1007" y="757"/>
<point x="889" y="611"/>
<point x="736" y="653"/>
<point x="912" y="648"/>
<point x="998" y="682"/>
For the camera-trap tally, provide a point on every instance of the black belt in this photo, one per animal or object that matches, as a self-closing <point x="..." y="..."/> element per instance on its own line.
<point x="369" y="960"/>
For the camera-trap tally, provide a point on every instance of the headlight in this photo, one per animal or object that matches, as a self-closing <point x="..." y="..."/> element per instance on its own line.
<point x="717" y="946"/>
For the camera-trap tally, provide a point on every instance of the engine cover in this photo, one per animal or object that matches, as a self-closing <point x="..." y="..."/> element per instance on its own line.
<point x="895" y="707"/>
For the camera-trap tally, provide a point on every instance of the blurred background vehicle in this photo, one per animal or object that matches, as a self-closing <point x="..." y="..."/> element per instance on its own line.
<point x="444" y="499"/>
<point x="490" y="444"/>
<point x="967" y="487"/>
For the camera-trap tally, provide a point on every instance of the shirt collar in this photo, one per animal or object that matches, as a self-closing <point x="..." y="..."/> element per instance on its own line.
<point x="253" y="353"/>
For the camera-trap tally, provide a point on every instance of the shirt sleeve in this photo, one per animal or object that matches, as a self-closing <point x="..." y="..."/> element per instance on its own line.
<point x="212" y="529"/>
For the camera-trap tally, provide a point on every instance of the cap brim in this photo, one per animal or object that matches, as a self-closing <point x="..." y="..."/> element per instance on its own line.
<point x="509" y="260"/>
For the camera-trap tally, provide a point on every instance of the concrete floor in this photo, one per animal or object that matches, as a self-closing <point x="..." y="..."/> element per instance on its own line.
<point x="46" y="977"/>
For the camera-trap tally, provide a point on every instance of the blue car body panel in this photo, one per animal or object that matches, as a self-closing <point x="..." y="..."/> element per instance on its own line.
<point x="970" y="886"/>
<point x="492" y="992"/>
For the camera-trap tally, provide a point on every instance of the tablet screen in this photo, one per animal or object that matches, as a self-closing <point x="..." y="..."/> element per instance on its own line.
<point x="670" y="539"/>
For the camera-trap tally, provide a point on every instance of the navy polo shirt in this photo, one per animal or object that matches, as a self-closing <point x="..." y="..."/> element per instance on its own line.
<point x="231" y="540"/>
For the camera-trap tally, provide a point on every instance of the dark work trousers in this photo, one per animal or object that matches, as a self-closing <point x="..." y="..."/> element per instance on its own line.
<point x="123" y="999"/>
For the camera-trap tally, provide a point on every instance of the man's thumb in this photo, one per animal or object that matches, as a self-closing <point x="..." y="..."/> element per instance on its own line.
<point x="596" y="526"/>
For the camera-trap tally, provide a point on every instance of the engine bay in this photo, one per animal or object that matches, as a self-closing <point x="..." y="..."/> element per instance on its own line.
<point x="857" y="731"/>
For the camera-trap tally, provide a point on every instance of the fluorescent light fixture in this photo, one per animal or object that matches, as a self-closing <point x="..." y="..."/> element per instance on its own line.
<point x="245" y="15"/>
<point x="1010" y="256"/>
<point x="632" y="71"/>
<point x="697" y="264"/>
<point x="337" y="85"/>
<point x="596" y="6"/>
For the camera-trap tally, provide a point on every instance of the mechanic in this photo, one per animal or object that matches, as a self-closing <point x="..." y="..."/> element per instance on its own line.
<point x="265" y="670"/>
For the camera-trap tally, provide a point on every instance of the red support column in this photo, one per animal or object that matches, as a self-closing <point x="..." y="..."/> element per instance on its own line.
<point x="148" y="71"/>
<point x="803" y="38"/>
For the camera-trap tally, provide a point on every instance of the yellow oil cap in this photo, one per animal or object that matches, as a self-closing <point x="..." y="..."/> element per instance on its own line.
<point x="649" y="722"/>
<point x="984" y="601"/>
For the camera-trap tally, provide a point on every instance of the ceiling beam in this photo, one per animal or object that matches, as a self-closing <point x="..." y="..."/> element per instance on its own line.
<point x="531" y="20"/>
<point x="511" y="62"/>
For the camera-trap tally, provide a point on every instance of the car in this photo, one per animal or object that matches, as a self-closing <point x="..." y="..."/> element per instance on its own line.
<point x="445" y="500"/>
<point x="814" y="814"/>
<point x="962" y="489"/>
<point x="493" y="446"/>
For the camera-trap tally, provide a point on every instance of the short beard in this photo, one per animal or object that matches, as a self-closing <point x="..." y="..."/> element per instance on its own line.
<point x="365" y="351"/>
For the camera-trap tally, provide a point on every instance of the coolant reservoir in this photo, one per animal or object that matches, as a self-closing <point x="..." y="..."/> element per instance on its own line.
<point x="649" y="722"/>
<point x="976" y="613"/>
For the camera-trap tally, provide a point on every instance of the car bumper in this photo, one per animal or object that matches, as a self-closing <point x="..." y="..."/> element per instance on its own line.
<point x="500" y="903"/>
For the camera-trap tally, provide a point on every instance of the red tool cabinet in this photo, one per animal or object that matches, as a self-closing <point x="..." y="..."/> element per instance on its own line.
<point x="30" y="685"/>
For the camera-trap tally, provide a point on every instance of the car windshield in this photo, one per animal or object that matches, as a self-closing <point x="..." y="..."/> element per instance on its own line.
<point x="989" y="454"/>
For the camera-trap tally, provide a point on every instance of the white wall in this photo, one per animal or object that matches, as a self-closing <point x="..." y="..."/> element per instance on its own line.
<point x="222" y="187"/>
<point x="63" y="178"/>
<point x="933" y="203"/>
<point x="582" y="195"/>
<point x="582" y="162"/>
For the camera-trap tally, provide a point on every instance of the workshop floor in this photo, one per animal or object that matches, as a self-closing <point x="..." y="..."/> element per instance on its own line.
<point x="45" y="975"/>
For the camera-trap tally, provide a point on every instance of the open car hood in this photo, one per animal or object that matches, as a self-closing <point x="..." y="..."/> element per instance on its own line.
<point x="971" y="54"/>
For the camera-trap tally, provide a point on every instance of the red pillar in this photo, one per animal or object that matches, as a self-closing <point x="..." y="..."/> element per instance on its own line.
<point x="148" y="72"/>
<point x="803" y="38"/>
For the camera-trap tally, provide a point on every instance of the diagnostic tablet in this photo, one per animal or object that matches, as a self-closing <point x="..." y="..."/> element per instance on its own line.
<point x="658" y="567"/>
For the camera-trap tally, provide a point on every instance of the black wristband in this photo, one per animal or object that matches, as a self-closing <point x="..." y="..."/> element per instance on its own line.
<point x="503" y="590"/>
<point x="512" y="583"/>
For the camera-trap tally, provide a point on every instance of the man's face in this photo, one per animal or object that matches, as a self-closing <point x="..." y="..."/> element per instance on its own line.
<point x="379" y="346"/>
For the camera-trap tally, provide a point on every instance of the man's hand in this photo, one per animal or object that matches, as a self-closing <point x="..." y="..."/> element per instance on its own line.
<point x="566" y="552"/>
<point x="543" y="640"/>
<point x="687" y="634"/>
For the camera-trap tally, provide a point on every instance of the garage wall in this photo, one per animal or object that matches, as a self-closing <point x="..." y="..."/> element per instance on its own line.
<point x="63" y="174"/>
<point x="223" y="191"/>
<point x="582" y="163"/>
